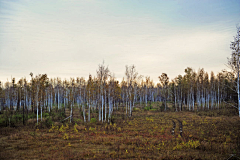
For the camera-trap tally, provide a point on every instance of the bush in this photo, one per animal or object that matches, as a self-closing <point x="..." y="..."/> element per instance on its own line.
<point x="93" y="120"/>
<point x="77" y="120"/>
<point x="48" y="122"/>
<point x="162" y="107"/>
<point x="53" y="113"/>
<point x="13" y="122"/>
<point x="45" y="123"/>
<point x="58" y="115"/>
<point x="3" y="121"/>
<point x="17" y="117"/>
<point x="31" y="115"/>
<point x="148" y="108"/>
<point x="136" y="109"/>
<point x="45" y="115"/>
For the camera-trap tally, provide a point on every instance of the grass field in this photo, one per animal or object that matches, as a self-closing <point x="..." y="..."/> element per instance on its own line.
<point x="146" y="135"/>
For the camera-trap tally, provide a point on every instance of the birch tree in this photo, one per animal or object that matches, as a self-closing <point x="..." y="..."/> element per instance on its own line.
<point x="131" y="76"/>
<point x="234" y="62"/>
<point x="102" y="74"/>
<point x="164" y="80"/>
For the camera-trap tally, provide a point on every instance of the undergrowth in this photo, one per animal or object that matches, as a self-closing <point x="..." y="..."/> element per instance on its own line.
<point x="146" y="135"/>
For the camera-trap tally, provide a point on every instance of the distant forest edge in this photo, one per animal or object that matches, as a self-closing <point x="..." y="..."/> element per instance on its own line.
<point x="194" y="91"/>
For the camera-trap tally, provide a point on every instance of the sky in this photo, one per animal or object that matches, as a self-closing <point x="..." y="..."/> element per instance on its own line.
<point x="70" y="38"/>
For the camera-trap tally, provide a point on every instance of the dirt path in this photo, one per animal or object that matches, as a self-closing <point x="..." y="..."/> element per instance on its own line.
<point x="180" y="127"/>
<point x="173" y="129"/>
<point x="174" y="126"/>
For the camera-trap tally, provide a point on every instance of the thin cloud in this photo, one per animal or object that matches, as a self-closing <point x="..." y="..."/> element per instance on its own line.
<point x="70" y="39"/>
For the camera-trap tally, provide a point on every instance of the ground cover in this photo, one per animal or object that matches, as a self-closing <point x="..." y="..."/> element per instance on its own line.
<point x="148" y="134"/>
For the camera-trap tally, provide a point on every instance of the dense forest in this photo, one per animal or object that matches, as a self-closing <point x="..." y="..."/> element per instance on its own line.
<point x="192" y="91"/>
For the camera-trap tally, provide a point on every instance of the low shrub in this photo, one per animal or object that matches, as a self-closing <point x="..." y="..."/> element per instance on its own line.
<point x="136" y="109"/>
<point x="93" y="120"/>
<point x="218" y="112"/>
<point x="149" y="107"/>
<point x="45" y="114"/>
<point x="48" y="122"/>
<point x="76" y="120"/>
<point x="162" y="107"/>
<point x="3" y="121"/>
<point x="31" y="115"/>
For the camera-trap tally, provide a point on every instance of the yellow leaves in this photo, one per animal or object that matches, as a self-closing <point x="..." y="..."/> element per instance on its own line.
<point x="69" y="145"/>
<point x="65" y="136"/>
<point x="162" y="130"/>
<point x="190" y="144"/>
<point x="184" y="122"/>
<point x="56" y="128"/>
<point x="149" y="119"/>
<point x="106" y="126"/>
<point x="206" y="121"/>
<point x="161" y="146"/>
<point x="126" y="151"/>
<point x="61" y="129"/>
<point x="193" y="144"/>
<point x="67" y="127"/>
<point x="119" y="129"/>
<point x="75" y="129"/>
<point x="92" y="129"/>
<point x="178" y="147"/>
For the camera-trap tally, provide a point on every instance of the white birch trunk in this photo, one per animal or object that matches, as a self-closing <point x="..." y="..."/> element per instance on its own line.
<point x="41" y="111"/>
<point x="102" y="106"/>
<point x="105" y="105"/>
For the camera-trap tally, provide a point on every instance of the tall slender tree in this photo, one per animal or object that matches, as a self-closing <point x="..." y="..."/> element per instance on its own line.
<point x="164" y="80"/>
<point x="234" y="62"/>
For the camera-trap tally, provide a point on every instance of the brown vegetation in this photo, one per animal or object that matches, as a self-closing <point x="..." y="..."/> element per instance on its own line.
<point x="146" y="135"/>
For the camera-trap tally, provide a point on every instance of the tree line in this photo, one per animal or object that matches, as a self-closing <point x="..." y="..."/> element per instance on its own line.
<point x="192" y="91"/>
<point x="103" y="93"/>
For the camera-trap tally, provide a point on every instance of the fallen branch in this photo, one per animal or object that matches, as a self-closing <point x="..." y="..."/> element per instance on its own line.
<point x="230" y="104"/>
<point x="66" y="118"/>
<point x="233" y="155"/>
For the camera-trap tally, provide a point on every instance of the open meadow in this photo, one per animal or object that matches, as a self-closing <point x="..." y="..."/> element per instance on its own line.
<point x="149" y="134"/>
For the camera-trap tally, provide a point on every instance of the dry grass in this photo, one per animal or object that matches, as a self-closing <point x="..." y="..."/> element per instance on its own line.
<point x="147" y="135"/>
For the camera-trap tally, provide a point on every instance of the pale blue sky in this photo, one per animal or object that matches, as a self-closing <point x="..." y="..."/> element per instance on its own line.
<point x="68" y="38"/>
